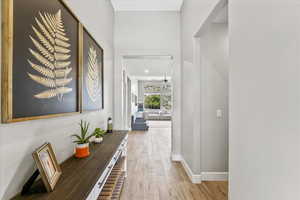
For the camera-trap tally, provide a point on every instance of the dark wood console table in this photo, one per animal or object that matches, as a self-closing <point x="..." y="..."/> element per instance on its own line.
<point x="83" y="179"/>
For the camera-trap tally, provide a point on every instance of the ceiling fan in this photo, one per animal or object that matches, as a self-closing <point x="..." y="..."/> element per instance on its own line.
<point x="165" y="78"/>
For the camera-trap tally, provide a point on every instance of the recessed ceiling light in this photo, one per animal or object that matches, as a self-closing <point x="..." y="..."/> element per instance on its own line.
<point x="146" y="71"/>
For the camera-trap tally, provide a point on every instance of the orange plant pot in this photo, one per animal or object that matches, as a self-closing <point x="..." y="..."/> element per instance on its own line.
<point x="82" y="150"/>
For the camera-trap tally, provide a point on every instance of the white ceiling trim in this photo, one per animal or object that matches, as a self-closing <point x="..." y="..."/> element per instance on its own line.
<point x="147" y="5"/>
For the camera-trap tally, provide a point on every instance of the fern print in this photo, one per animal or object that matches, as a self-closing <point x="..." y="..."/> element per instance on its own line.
<point x="51" y="56"/>
<point x="93" y="75"/>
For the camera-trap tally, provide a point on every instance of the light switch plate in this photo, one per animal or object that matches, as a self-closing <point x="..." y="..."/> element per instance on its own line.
<point x="219" y="113"/>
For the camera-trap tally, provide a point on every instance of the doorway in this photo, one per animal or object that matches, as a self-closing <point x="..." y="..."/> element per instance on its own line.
<point x="212" y="60"/>
<point x="148" y="94"/>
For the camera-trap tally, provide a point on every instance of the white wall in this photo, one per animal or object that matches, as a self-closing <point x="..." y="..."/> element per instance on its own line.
<point x="204" y="137"/>
<point x="19" y="140"/>
<point x="193" y="14"/>
<point x="146" y="30"/>
<point x="149" y="33"/>
<point x="189" y="84"/>
<point x="264" y="99"/>
<point x="214" y="96"/>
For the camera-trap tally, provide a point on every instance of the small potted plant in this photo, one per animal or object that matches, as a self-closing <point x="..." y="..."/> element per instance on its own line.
<point x="98" y="133"/>
<point x="82" y="140"/>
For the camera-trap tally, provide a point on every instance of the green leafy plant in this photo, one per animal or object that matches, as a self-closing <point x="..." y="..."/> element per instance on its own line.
<point x="98" y="132"/>
<point x="152" y="101"/>
<point x="83" y="138"/>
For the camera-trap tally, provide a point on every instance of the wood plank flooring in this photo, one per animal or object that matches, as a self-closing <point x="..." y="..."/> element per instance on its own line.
<point x="152" y="175"/>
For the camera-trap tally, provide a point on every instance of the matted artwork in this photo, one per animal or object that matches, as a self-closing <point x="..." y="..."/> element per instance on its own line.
<point x="47" y="165"/>
<point x="92" y="73"/>
<point x="41" y="66"/>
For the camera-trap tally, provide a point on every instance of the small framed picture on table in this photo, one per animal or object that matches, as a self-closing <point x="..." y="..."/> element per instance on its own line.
<point x="47" y="165"/>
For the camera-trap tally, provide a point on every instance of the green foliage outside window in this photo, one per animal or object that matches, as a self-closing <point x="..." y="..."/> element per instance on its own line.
<point x="152" y="101"/>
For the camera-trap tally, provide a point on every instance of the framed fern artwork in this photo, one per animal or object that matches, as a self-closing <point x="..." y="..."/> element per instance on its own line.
<point x="40" y="76"/>
<point x="92" y="73"/>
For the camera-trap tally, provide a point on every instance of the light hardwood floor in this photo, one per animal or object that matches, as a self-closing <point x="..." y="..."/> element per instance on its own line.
<point x="152" y="175"/>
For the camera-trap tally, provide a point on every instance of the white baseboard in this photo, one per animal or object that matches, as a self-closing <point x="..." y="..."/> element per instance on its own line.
<point x="214" y="176"/>
<point x="195" y="178"/>
<point x="204" y="176"/>
<point x="176" y="157"/>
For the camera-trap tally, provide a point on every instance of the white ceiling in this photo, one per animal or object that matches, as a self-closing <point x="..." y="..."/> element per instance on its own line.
<point x="147" y="5"/>
<point x="157" y="68"/>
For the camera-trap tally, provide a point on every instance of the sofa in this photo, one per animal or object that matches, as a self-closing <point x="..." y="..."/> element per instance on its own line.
<point x="157" y="115"/>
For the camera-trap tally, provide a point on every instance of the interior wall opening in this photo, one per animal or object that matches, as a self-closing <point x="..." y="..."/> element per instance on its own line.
<point x="214" y="98"/>
<point x="212" y="60"/>
<point x="214" y="94"/>
<point x="148" y="95"/>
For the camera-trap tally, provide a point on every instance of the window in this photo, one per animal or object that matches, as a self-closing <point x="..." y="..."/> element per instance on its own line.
<point x="152" y="101"/>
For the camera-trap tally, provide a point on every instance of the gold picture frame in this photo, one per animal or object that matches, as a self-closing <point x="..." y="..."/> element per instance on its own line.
<point x="7" y="72"/>
<point x="87" y="38"/>
<point x="47" y="165"/>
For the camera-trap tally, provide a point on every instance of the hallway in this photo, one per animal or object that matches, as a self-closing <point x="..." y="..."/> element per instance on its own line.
<point x="152" y="175"/>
